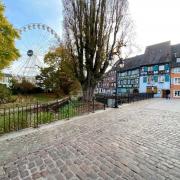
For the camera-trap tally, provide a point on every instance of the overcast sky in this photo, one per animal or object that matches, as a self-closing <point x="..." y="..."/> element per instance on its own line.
<point x="155" y="20"/>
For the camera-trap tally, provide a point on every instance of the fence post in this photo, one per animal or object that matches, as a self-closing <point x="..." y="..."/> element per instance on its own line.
<point x="104" y="103"/>
<point x="18" y="118"/>
<point x="128" y="98"/>
<point x="93" y="104"/>
<point x="9" y="120"/>
<point x="4" y="120"/>
<point x="68" y="108"/>
<point x="120" y="99"/>
<point x="37" y="114"/>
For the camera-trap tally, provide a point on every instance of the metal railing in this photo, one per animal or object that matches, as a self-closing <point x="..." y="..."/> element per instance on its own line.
<point x="33" y="115"/>
<point x="124" y="98"/>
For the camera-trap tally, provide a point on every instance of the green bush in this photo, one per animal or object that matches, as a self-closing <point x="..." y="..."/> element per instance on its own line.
<point x="5" y="94"/>
<point x="24" y="87"/>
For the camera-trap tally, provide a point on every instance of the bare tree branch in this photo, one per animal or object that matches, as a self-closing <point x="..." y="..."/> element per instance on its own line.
<point x="95" y="32"/>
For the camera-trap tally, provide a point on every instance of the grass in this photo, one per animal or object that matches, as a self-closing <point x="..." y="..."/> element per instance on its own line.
<point x="13" y="119"/>
<point x="30" y="99"/>
<point x="23" y="119"/>
<point x="19" y="118"/>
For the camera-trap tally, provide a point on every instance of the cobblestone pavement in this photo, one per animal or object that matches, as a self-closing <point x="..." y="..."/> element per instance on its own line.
<point x="137" y="141"/>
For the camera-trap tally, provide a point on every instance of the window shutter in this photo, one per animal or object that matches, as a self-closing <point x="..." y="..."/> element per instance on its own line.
<point x="167" y="67"/>
<point x="167" y="78"/>
<point x="144" y="79"/>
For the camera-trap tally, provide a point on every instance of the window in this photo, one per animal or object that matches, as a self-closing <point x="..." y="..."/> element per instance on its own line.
<point x="176" y="70"/>
<point x="156" y="68"/>
<point x="137" y="81"/>
<point x="123" y="90"/>
<point x="125" y="82"/>
<point x="178" y="60"/>
<point x="177" y="93"/>
<point x="155" y="78"/>
<point x="161" y="78"/>
<point x="133" y="72"/>
<point x="145" y="68"/>
<point x="161" y="68"/>
<point x="177" y="81"/>
<point x="124" y="74"/>
<point x="150" y="68"/>
<point x="150" y="79"/>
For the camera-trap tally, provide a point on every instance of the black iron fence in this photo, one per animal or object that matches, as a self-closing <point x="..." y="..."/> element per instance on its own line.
<point x="124" y="98"/>
<point x="32" y="115"/>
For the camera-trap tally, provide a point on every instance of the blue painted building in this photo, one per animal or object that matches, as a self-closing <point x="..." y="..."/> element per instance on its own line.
<point x="155" y="69"/>
<point x="149" y="72"/>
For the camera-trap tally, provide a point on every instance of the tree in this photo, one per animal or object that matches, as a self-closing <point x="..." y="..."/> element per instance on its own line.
<point x="5" y="94"/>
<point x="58" y="77"/>
<point x="8" y="34"/>
<point x="23" y="87"/>
<point x="96" y="30"/>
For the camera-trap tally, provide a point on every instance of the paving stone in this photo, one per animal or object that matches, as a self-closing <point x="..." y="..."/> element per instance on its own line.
<point x="31" y="165"/>
<point x="44" y="173"/>
<point x="36" y="175"/>
<point x="33" y="170"/>
<point x="24" y="173"/>
<point x="59" y="177"/>
<point x="59" y="163"/>
<point x="81" y="175"/>
<point x="27" y="178"/>
<point x="1" y="171"/>
<point x="117" y="170"/>
<point x="13" y="174"/>
<point x="92" y="175"/>
<point x="139" y="141"/>
<point x="69" y="174"/>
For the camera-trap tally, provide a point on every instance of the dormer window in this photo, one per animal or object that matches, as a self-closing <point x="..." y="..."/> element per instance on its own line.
<point x="178" y="60"/>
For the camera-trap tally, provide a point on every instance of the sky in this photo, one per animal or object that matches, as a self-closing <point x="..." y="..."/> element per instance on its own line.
<point x="22" y="12"/>
<point x="155" y="21"/>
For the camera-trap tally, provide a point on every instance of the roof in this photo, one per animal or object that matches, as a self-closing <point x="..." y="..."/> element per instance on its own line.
<point x="175" y="52"/>
<point x="133" y="62"/>
<point x="154" y="54"/>
<point x="157" y="54"/>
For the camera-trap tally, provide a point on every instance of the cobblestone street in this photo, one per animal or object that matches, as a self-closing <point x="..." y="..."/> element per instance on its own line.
<point x="137" y="141"/>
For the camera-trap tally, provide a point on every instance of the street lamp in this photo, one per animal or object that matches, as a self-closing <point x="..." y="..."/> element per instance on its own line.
<point x="120" y="65"/>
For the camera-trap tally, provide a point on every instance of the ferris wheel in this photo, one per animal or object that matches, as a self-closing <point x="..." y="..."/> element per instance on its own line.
<point x="36" y="40"/>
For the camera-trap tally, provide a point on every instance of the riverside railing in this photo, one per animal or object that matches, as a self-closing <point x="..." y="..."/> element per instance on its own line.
<point x="33" y="115"/>
<point x="124" y="98"/>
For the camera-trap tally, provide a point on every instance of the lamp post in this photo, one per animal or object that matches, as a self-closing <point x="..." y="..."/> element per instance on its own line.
<point x="120" y="65"/>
